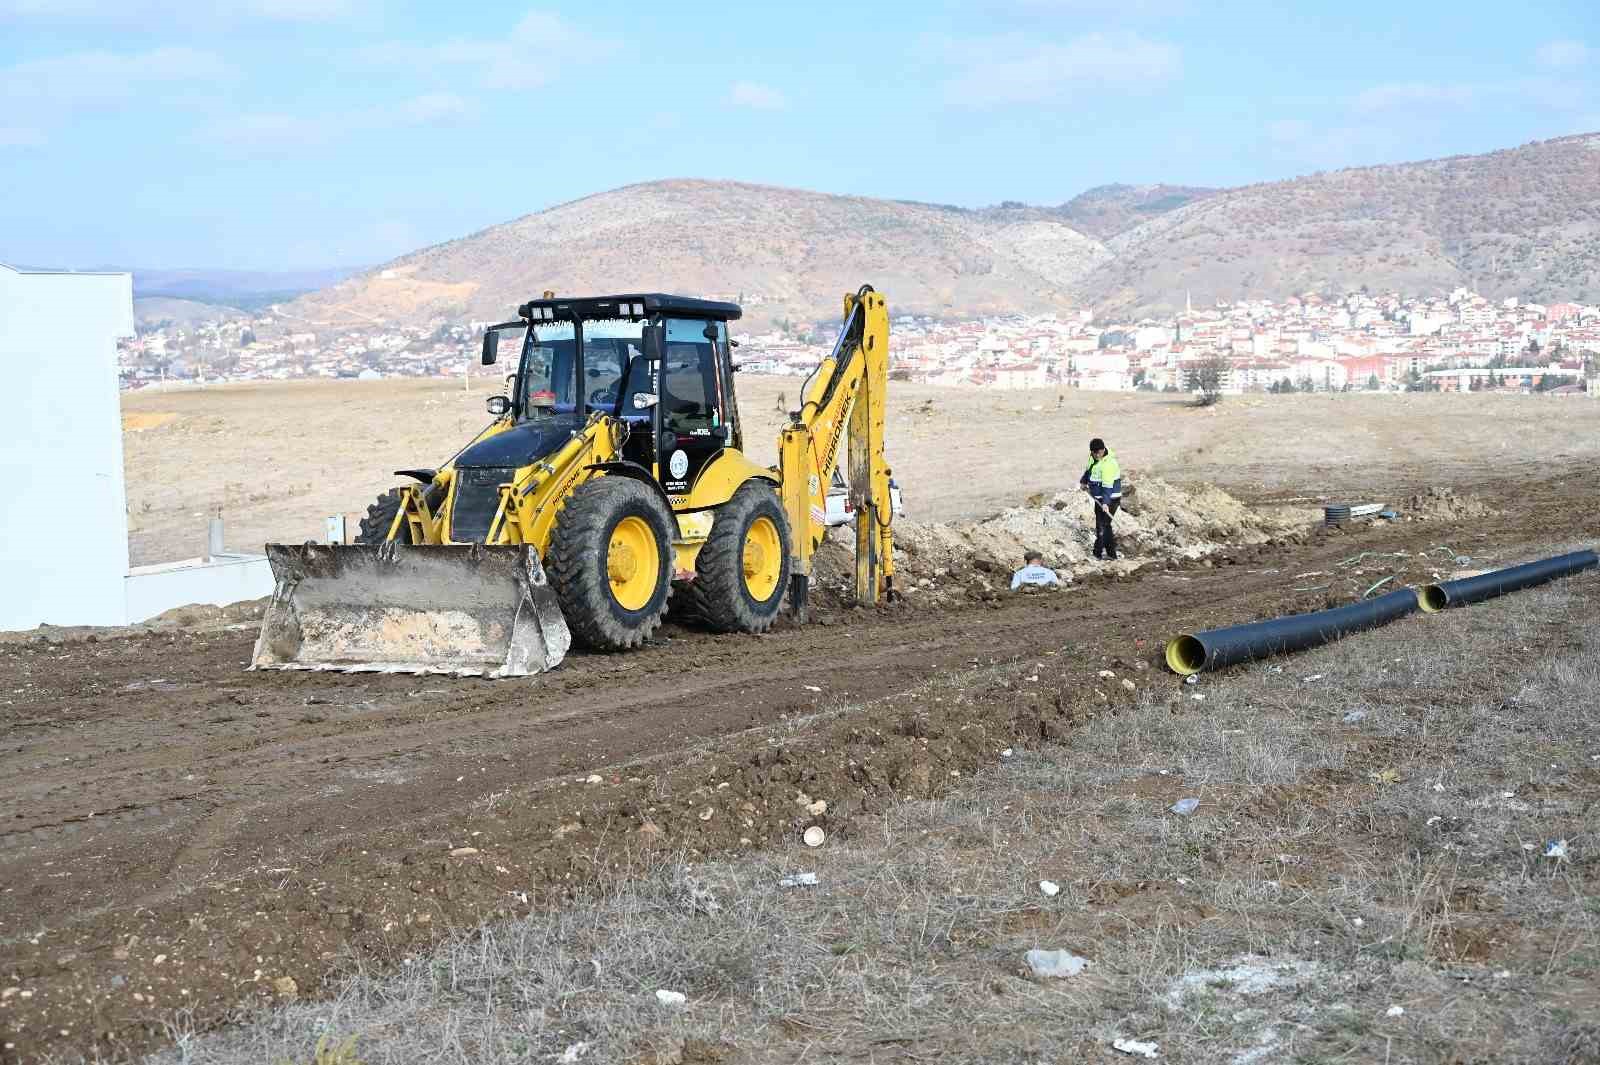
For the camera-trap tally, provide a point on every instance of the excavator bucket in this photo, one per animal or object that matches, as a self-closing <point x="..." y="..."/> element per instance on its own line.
<point x="464" y="609"/>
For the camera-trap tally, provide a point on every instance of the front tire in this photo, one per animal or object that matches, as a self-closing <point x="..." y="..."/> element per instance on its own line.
<point x="610" y="562"/>
<point x="374" y="528"/>
<point x="743" y="570"/>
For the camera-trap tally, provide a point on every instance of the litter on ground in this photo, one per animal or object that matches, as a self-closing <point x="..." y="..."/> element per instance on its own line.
<point x="1054" y="964"/>
<point x="1136" y="1048"/>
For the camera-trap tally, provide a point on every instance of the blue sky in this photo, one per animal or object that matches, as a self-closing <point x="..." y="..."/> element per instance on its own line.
<point x="269" y="134"/>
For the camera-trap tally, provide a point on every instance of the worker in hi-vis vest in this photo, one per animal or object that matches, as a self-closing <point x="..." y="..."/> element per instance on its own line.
<point x="1103" y="481"/>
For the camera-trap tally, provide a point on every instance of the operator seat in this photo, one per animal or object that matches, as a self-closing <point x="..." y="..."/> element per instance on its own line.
<point x="640" y="445"/>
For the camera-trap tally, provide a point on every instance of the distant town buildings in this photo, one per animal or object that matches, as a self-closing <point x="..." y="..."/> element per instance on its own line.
<point x="1356" y="342"/>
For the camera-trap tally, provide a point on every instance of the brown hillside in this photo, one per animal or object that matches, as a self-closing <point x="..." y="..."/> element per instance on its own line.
<point x="789" y="254"/>
<point x="1106" y="210"/>
<point x="1525" y="222"/>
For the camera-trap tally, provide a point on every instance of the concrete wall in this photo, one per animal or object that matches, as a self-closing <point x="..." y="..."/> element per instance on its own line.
<point x="224" y="579"/>
<point x="63" y="515"/>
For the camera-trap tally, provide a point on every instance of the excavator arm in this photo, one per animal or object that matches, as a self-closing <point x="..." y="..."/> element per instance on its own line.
<point x="843" y="399"/>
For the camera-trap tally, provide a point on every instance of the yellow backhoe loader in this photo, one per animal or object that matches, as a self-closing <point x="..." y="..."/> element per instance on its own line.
<point x="613" y="476"/>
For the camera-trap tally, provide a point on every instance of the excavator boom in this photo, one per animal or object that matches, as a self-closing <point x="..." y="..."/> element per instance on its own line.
<point x="844" y="399"/>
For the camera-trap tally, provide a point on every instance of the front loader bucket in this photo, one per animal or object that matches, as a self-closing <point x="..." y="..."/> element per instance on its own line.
<point x="396" y="608"/>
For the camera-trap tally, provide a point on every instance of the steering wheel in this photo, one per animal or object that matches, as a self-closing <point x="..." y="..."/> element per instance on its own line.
<point x="604" y="397"/>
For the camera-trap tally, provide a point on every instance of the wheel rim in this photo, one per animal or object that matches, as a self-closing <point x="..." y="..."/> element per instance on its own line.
<point x="633" y="564"/>
<point x="763" y="559"/>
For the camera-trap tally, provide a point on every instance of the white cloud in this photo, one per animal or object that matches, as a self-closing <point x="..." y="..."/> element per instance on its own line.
<point x="304" y="10"/>
<point x="20" y="137"/>
<point x="1091" y="7"/>
<point x="531" y="54"/>
<point x="756" y="96"/>
<point x="1013" y="68"/>
<point x="152" y="13"/>
<point x="1566" y="87"/>
<point x="1288" y="132"/>
<point x="82" y="80"/>
<point x="275" y="132"/>
<point x="1425" y="94"/>
<point x="1562" y="55"/>
<point x="432" y="108"/>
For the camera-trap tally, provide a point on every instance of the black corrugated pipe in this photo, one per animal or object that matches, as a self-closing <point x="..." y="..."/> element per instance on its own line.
<point x="1217" y="648"/>
<point x="1436" y="597"/>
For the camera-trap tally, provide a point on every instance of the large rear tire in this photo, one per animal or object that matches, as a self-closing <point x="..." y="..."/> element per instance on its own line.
<point x="743" y="570"/>
<point x="380" y="517"/>
<point x="610" y="562"/>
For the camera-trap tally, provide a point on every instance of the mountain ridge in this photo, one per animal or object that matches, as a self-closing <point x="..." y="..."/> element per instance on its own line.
<point x="790" y="252"/>
<point x="1521" y="221"/>
<point x="1518" y="221"/>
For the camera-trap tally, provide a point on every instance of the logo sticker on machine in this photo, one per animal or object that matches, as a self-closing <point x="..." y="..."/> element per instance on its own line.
<point x="678" y="465"/>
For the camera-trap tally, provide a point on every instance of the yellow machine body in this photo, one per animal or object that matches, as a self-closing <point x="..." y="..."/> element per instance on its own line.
<point x="419" y="596"/>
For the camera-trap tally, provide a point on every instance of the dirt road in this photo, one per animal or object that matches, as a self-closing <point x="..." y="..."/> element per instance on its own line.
<point x="179" y="835"/>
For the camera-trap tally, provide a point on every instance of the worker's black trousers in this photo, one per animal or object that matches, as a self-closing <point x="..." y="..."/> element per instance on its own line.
<point x="1105" y="537"/>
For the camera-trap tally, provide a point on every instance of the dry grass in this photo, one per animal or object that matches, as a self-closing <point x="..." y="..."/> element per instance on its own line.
<point x="1370" y="835"/>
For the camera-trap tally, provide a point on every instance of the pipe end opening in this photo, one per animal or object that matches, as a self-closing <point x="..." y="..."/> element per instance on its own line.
<point x="1185" y="655"/>
<point x="1432" y="599"/>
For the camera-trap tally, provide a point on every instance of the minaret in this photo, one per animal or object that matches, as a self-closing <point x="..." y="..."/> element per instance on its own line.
<point x="1188" y="304"/>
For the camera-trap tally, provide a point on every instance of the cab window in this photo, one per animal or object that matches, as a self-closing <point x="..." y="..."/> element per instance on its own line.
<point x="548" y="362"/>
<point x="608" y="348"/>
<point x="689" y="383"/>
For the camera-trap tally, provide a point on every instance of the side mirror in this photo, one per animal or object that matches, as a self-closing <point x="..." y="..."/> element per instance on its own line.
<point x="491" y="346"/>
<point x="499" y="406"/>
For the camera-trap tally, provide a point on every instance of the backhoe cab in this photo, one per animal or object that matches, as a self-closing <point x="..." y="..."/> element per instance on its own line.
<point x="612" y="477"/>
<point x="658" y="365"/>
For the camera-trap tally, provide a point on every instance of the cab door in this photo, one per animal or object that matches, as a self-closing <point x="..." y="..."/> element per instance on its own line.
<point x="694" y="415"/>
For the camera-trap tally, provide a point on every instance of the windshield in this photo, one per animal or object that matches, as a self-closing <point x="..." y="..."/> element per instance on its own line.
<point x="547" y="369"/>
<point x="549" y="361"/>
<point x="609" y="348"/>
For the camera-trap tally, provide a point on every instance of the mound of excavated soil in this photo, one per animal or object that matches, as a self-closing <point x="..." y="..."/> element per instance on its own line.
<point x="1159" y="522"/>
<point x="1443" y="504"/>
<point x="198" y="617"/>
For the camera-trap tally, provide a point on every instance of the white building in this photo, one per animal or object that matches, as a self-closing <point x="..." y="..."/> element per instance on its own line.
<point x="64" y="518"/>
<point x="1021" y="376"/>
<point x="1149" y="336"/>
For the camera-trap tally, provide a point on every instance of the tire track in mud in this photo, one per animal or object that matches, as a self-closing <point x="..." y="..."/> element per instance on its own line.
<point x="479" y="726"/>
<point x="306" y="784"/>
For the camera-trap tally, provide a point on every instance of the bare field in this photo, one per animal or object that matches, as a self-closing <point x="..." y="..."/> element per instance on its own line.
<point x="275" y="459"/>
